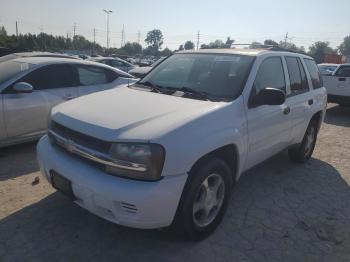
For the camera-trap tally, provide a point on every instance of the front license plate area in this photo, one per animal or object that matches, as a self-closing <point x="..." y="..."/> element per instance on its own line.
<point x="62" y="184"/>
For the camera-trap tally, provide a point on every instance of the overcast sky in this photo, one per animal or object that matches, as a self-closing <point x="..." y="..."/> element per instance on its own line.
<point x="306" y="21"/>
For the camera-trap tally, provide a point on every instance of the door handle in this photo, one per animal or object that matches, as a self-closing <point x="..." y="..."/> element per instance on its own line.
<point x="342" y="79"/>
<point x="286" y="111"/>
<point x="310" y="102"/>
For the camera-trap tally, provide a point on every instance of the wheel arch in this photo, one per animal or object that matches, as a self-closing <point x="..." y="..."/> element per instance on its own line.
<point x="228" y="153"/>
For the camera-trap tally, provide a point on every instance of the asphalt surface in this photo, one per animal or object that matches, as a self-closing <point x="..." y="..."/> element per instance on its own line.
<point x="279" y="211"/>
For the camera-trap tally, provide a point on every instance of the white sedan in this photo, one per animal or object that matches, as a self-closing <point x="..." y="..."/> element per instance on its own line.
<point x="31" y="86"/>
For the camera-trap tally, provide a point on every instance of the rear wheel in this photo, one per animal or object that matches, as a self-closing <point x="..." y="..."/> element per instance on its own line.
<point x="304" y="151"/>
<point x="204" y="200"/>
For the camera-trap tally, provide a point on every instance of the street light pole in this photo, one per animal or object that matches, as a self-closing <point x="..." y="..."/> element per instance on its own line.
<point x="108" y="12"/>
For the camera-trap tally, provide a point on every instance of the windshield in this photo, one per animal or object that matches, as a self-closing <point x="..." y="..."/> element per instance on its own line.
<point x="218" y="75"/>
<point x="11" y="68"/>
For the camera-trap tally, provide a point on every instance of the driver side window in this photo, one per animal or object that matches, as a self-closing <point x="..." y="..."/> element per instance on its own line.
<point x="343" y="71"/>
<point x="270" y="74"/>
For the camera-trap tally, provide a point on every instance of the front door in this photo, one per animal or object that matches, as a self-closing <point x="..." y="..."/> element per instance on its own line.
<point x="269" y="126"/>
<point x="26" y="114"/>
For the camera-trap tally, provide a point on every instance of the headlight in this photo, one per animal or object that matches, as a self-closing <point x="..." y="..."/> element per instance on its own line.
<point x="138" y="161"/>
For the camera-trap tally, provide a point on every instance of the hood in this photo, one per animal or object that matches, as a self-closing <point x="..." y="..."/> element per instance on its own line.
<point x="140" y="70"/>
<point x="129" y="114"/>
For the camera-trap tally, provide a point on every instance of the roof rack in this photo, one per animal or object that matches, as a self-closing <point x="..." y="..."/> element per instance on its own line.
<point x="267" y="47"/>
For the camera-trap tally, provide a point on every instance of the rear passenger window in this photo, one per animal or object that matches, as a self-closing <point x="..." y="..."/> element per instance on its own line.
<point x="92" y="75"/>
<point x="270" y="74"/>
<point x="314" y="73"/>
<point x="297" y="76"/>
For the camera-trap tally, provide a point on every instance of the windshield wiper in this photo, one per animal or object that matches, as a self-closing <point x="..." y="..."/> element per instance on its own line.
<point x="154" y="88"/>
<point x="200" y="94"/>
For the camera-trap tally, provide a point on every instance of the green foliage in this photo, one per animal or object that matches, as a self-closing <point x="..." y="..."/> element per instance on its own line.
<point x="131" y="48"/>
<point x="45" y="42"/>
<point x="181" y="48"/>
<point x="218" y="44"/>
<point x="319" y="50"/>
<point x="344" y="48"/>
<point x="166" y="52"/>
<point x="154" y="39"/>
<point x="189" y="45"/>
<point x="270" y="42"/>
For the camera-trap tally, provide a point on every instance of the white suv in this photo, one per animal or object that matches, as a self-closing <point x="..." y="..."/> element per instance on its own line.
<point x="168" y="149"/>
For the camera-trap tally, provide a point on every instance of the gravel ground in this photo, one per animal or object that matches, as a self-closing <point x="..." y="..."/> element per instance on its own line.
<point x="279" y="211"/>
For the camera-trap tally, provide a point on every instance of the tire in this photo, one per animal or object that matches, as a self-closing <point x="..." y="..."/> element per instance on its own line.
<point x="201" y="209"/>
<point x="304" y="151"/>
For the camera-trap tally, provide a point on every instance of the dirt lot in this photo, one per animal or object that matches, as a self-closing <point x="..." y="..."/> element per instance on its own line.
<point x="279" y="211"/>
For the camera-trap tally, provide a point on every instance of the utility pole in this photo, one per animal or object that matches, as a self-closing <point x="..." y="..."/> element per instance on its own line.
<point x="108" y="12"/>
<point x="123" y="37"/>
<point x="74" y="30"/>
<point x="138" y="37"/>
<point x="198" y="37"/>
<point x="93" y="47"/>
<point x="16" y="29"/>
<point x="286" y="40"/>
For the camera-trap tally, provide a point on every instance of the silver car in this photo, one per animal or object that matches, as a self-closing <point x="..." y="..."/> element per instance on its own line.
<point x="30" y="87"/>
<point x="114" y="62"/>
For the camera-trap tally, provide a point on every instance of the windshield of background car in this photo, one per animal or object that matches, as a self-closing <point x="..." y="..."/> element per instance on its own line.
<point x="11" y="68"/>
<point x="219" y="75"/>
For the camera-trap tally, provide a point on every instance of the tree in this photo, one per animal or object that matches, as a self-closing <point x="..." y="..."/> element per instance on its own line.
<point x="166" y="52"/>
<point x="215" y="44"/>
<point x="181" y="47"/>
<point x="229" y="42"/>
<point x="132" y="48"/>
<point x="154" y="39"/>
<point x="270" y="42"/>
<point x="344" y="48"/>
<point x="319" y="50"/>
<point x="189" y="45"/>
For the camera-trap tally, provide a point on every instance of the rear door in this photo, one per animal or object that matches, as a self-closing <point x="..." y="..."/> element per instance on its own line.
<point x="2" y="124"/>
<point x="299" y="98"/>
<point x="94" y="79"/>
<point x="26" y="114"/>
<point x="269" y="126"/>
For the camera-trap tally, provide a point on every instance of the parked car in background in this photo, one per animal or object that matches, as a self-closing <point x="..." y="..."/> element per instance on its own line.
<point x="168" y="149"/>
<point x="114" y="62"/>
<point x="34" y="54"/>
<point x="30" y="87"/>
<point x="327" y="69"/>
<point x="141" y="71"/>
<point x="338" y="85"/>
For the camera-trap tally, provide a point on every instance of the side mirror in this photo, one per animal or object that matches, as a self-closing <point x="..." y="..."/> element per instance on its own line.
<point x="270" y="96"/>
<point x="23" y="87"/>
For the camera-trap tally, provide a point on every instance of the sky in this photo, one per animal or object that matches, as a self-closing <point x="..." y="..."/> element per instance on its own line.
<point x="305" y="21"/>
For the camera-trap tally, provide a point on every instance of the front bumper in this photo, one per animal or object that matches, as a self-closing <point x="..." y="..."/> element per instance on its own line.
<point x="123" y="201"/>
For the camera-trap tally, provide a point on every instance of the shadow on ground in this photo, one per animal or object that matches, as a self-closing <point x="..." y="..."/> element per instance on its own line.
<point x="18" y="160"/>
<point x="338" y="115"/>
<point x="279" y="212"/>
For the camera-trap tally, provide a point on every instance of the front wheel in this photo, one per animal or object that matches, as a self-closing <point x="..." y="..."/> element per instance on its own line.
<point x="304" y="151"/>
<point x="204" y="200"/>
